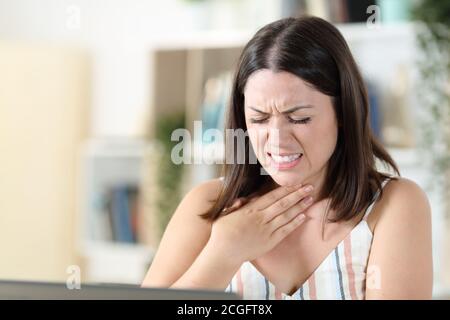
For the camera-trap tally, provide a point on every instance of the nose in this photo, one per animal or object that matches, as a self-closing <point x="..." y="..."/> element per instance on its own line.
<point x="279" y="134"/>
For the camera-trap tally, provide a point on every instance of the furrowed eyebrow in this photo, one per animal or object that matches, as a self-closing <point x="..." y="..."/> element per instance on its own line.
<point x="308" y="106"/>
<point x="257" y="110"/>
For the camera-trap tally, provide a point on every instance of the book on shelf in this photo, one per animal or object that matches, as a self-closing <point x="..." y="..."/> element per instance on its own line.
<point x="374" y="109"/>
<point x="122" y="210"/>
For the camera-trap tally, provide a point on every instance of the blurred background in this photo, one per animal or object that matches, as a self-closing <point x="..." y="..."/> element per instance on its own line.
<point x="91" y="90"/>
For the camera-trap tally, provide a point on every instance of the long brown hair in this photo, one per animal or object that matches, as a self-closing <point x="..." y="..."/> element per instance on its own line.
<point x="314" y="50"/>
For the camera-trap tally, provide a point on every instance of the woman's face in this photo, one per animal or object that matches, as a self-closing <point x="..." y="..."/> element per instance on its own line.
<point x="292" y="127"/>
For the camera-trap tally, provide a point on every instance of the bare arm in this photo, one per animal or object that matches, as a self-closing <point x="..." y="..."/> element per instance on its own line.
<point x="185" y="237"/>
<point x="209" y="270"/>
<point x="400" y="263"/>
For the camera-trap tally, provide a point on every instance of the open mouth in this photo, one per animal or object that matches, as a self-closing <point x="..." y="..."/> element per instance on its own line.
<point x="284" y="162"/>
<point x="285" y="159"/>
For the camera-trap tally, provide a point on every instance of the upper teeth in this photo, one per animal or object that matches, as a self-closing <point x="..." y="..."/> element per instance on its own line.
<point x="289" y="158"/>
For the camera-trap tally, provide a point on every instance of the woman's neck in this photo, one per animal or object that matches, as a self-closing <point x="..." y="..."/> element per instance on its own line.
<point x="316" y="182"/>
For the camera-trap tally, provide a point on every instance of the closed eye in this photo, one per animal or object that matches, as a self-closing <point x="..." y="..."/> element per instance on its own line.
<point x="258" y="120"/>
<point x="301" y="121"/>
<point x="295" y="121"/>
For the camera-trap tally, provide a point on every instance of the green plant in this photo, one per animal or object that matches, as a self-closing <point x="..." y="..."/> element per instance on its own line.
<point x="433" y="38"/>
<point x="169" y="174"/>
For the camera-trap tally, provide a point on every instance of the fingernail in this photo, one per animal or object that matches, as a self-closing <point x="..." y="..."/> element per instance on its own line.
<point x="301" y="216"/>
<point x="309" y="188"/>
<point x="308" y="200"/>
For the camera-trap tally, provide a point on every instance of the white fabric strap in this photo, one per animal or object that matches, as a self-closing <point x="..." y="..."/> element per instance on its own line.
<point x="369" y="209"/>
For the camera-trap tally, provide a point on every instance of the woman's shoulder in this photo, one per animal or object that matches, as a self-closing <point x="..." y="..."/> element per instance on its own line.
<point x="403" y="200"/>
<point x="403" y="191"/>
<point x="202" y="196"/>
<point x="207" y="190"/>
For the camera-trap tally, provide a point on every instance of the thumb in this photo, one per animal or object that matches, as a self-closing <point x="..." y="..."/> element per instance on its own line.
<point x="239" y="202"/>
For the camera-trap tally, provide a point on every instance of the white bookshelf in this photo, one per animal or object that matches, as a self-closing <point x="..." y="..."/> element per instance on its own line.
<point x="105" y="163"/>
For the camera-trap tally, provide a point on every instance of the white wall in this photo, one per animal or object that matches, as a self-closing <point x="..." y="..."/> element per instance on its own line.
<point x="43" y="115"/>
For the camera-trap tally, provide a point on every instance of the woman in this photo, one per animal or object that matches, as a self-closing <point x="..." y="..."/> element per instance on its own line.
<point x="312" y="218"/>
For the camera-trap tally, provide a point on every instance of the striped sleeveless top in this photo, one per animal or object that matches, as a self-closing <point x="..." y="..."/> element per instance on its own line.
<point x="340" y="276"/>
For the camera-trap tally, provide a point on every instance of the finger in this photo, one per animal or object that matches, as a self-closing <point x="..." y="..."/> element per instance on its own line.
<point x="290" y="214"/>
<point x="273" y="196"/>
<point x="283" y="231"/>
<point x="244" y="201"/>
<point x="235" y="205"/>
<point x="238" y="203"/>
<point x="285" y="203"/>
